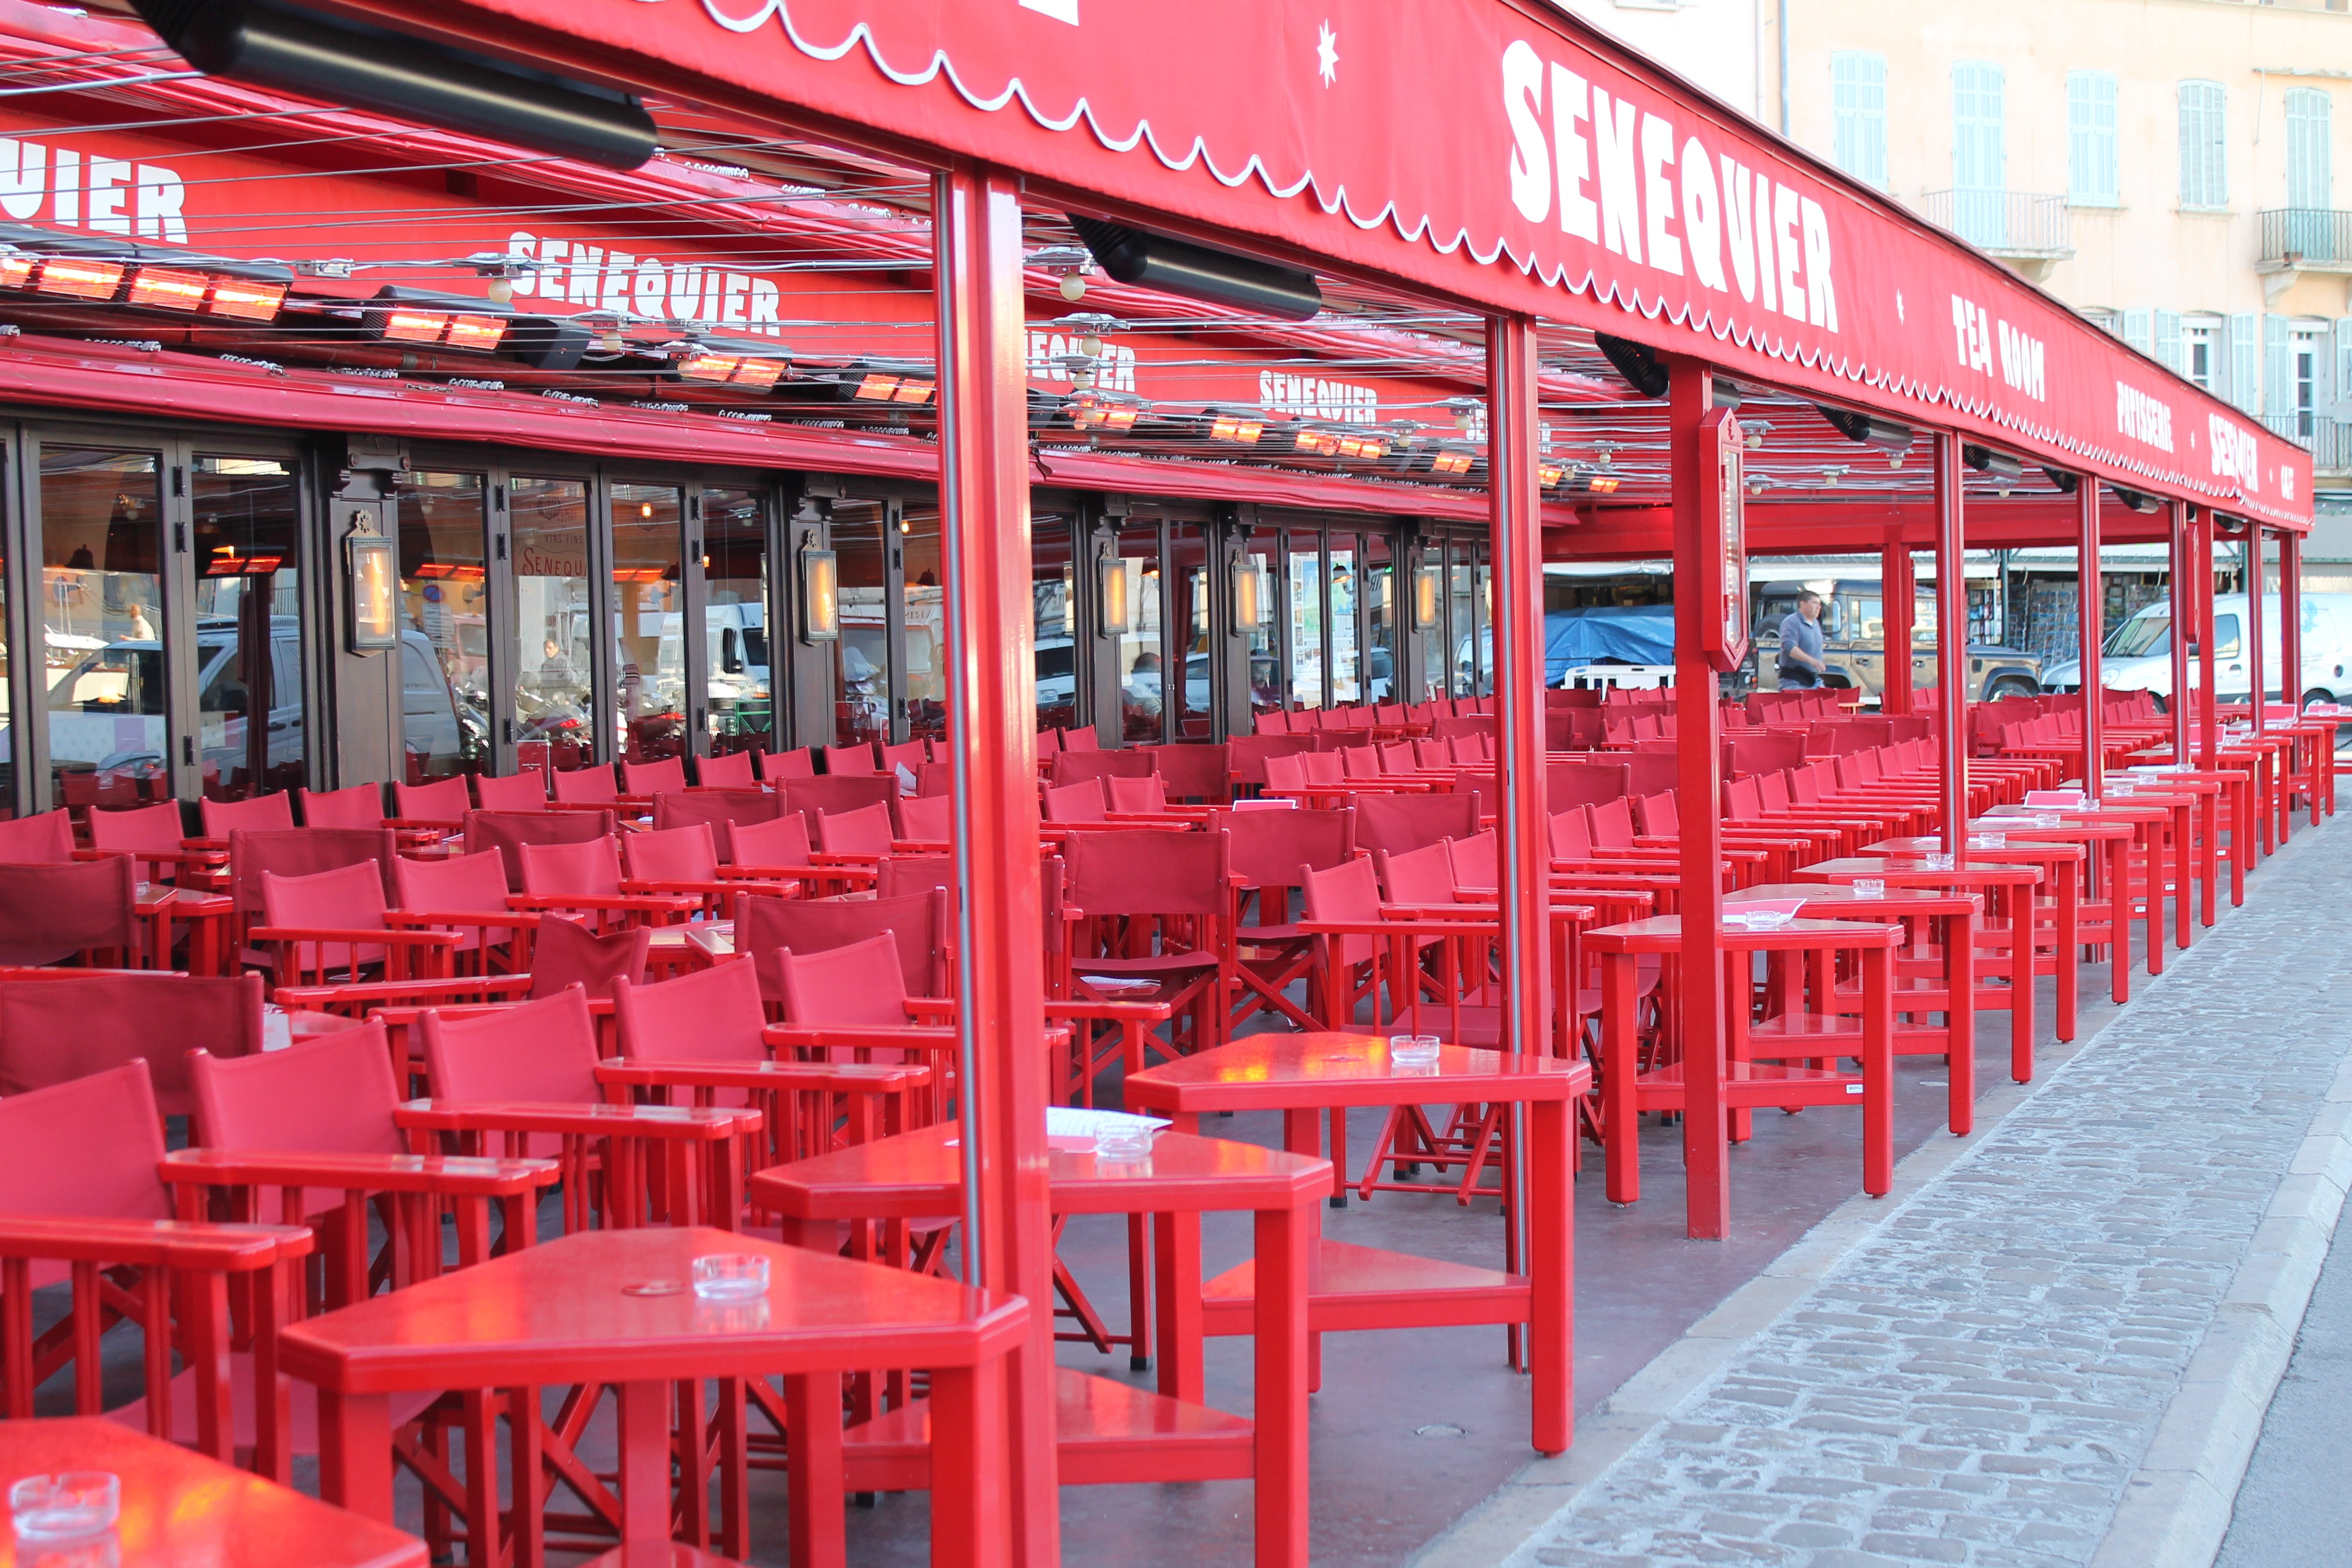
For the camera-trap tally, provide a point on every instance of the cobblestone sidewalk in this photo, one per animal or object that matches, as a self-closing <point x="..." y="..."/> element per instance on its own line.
<point x="1979" y="1381"/>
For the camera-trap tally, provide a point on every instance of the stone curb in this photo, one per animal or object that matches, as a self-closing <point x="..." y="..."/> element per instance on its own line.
<point x="2175" y="1511"/>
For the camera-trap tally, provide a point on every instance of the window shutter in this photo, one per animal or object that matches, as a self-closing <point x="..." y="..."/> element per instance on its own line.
<point x="1858" y="114"/>
<point x="2168" y="341"/>
<point x="2091" y="138"/>
<point x="2245" y="363"/>
<point x="2204" y="171"/>
<point x="2343" y="369"/>
<point x="2278" y="366"/>
<point x="2139" y="330"/>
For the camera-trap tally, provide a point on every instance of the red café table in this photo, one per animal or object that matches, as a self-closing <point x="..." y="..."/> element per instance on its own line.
<point x="2063" y="867"/>
<point x="1110" y="1432"/>
<point x="1748" y="1084"/>
<point x="207" y="916"/>
<point x="1354" y="1287"/>
<point x="180" y="1510"/>
<point x="2167" y="817"/>
<point x="2237" y="786"/>
<point x="615" y="1308"/>
<point x="2104" y="913"/>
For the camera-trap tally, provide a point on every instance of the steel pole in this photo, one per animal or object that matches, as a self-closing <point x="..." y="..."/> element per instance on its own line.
<point x="1897" y="591"/>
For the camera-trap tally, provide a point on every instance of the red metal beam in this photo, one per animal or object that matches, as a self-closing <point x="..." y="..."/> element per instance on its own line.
<point x="1951" y="645"/>
<point x="2184" y="621"/>
<point x="2209" y="717"/>
<point x="2090" y="592"/>
<point x="1896" y="587"/>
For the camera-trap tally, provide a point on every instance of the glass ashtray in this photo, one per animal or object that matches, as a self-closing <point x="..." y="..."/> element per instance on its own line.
<point x="1938" y="862"/>
<point x="66" y="1506"/>
<point x="1758" y="920"/>
<point x="2048" y="819"/>
<point x="1122" y="1143"/>
<point x="1868" y="887"/>
<point x="1413" y="1050"/>
<point x="730" y="1277"/>
<point x="1988" y="841"/>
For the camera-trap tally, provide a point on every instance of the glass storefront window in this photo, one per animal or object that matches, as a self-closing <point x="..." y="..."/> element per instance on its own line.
<point x="1142" y="689"/>
<point x="1306" y="621"/>
<point x="444" y="641"/>
<point x="739" y="681"/>
<point x="1461" y="623"/>
<point x="1187" y="549"/>
<point x="925" y="601"/>
<point x="1051" y="609"/>
<point x="102" y="620"/>
<point x="648" y="626"/>
<point x="553" y="653"/>
<point x="1345" y="685"/>
<point x="251" y="734"/>
<point x="1486" y="611"/>
<point x="862" y="656"/>
<point x="1380" y="683"/>
<point x="1264" y="656"/>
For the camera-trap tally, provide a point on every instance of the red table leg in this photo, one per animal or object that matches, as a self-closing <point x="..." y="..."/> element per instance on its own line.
<point x="1878" y="1070"/>
<point x="1176" y="1272"/>
<point x="2069" y="967"/>
<point x="1286" y="1246"/>
<point x="813" y="1510"/>
<point x="1620" y="1123"/>
<point x="1960" y="979"/>
<point x="1552" y="1247"/>
<point x="969" y="1515"/>
<point x="355" y="1453"/>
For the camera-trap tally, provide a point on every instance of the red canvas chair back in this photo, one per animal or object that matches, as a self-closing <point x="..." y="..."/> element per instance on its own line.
<point x="1398" y="758"/>
<point x="1245" y="756"/>
<point x="723" y="810"/>
<point x="729" y="770"/>
<point x="910" y="756"/>
<point x="1361" y="762"/>
<point x="712" y="1014"/>
<point x="508" y="831"/>
<point x="1049" y="740"/>
<point x="44" y="840"/>
<point x="1803" y="788"/>
<point x="443" y="800"/>
<point x="1651" y="772"/>
<point x="1148" y="872"/>
<point x="1465" y="749"/>
<point x="1079" y="802"/>
<point x="652" y="778"/>
<point x="1322" y="769"/>
<point x="814" y="797"/>
<point x="1570" y="833"/>
<point x="1398" y="822"/>
<point x="778" y="841"/>
<point x="1742" y="801"/>
<point x="351" y="897"/>
<point x="302" y="852"/>
<point x="590" y="869"/>
<point x="850" y="761"/>
<point x="461" y="884"/>
<point x="1612" y="824"/>
<point x="1424" y="876"/>
<point x="54" y="1030"/>
<point x="1268" y="848"/>
<point x="919" y="921"/>
<point x="1071" y="767"/>
<point x="223" y="817"/>
<point x="568" y="953"/>
<point x="688" y="854"/>
<point x="1571" y="784"/>
<point x="1660" y="817"/>
<point x="1192" y="771"/>
<point x="864" y="831"/>
<point x="1431" y="754"/>
<point x="926" y="818"/>
<point x="1477" y="862"/>
<point x="902" y="875"/>
<point x="525" y="791"/>
<point x="1772" y="789"/>
<point x="330" y="1095"/>
<point x="796" y="764"/>
<point x="1081" y="741"/>
<point x="362" y="805"/>
<point x="544" y="1050"/>
<point x="1287" y="772"/>
<point x="51" y="913"/>
<point x="591" y="785"/>
<point x="859" y="984"/>
<point x="1349" y="892"/>
<point x="153" y="829"/>
<point x="88" y="1148"/>
<point x="1137" y="794"/>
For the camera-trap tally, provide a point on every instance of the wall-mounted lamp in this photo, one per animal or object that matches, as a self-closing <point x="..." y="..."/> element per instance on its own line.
<point x="1425" y="598"/>
<point x="1249" y="594"/>
<point x="372" y="575"/>
<point x="1111" y="572"/>
<point x="820" y="596"/>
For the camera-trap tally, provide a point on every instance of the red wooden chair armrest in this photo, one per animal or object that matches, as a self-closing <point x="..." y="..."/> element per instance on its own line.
<point x="635" y="889"/>
<point x="599" y="1119"/>
<point x="853" y="1077"/>
<point x="204" y="858"/>
<point x="449" y="1176"/>
<point x="618" y="903"/>
<point x="416" y="993"/>
<point x="789" y="1036"/>
<point x="503" y="919"/>
<point x="1110" y="1011"/>
<point x="378" y="936"/>
<point x="942" y="1009"/>
<point x="205" y="845"/>
<point x="164" y="1243"/>
<point x="423" y="824"/>
<point x="830" y="859"/>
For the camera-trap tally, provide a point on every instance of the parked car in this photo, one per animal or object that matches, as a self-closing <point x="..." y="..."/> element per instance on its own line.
<point x="2138" y="655"/>
<point x="1853" y="641"/>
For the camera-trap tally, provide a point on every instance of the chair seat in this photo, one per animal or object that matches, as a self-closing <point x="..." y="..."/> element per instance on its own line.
<point x="1165" y="966"/>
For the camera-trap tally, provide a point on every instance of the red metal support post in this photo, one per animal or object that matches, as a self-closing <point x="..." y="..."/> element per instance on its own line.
<point x="1705" y="1168"/>
<point x="1895" y="591"/>
<point x="2290" y="620"/>
<point x="2090" y="604"/>
<point x="2258" y="635"/>
<point x="1952" y="646"/>
<point x="992" y="730"/>
<point x="2209" y="702"/>
<point x="2184" y="622"/>
<point x="1515" y="493"/>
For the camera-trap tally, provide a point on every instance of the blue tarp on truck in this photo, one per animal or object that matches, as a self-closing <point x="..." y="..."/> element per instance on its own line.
<point x="1632" y="634"/>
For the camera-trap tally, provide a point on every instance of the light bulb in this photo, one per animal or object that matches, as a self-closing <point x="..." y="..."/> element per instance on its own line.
<point x="1073" y="286"/>
<point x="501" y="290"/>
<point x="1090" y="346"/>
<point x="611" y="343"/>
<point x="645" y="509"/>
<point x="1893" y="460"/>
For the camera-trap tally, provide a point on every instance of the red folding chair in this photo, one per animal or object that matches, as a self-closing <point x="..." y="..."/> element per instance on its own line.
<point x="508" y="831"/>
<point x="584" y="879"/>
<point x="1267" y="851"/>
<point x="154" y="838"/>
<point x="1153" y="908"/>
<point x="587" y="787"/>
<point x="642" y="781"/>
<point x="525" y="791"/>
<point x="440" y="805"/>
<point x="722" y="810"/>
<point x="850" y="761"/>
<point x="223" y="817"/>
<point x="308" y="921"/>
<point x="764" y="924"/>
<point x="362" y="805"/>
<point x="55" y="1031"/>
<point x="729" y="770"/>
<point x="81" y="909"/>
<point x="465" y="894"/>
<point x="47" y="839"/>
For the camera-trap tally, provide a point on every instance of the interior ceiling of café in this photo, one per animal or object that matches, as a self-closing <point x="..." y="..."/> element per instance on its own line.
<point x="853" y="232"/>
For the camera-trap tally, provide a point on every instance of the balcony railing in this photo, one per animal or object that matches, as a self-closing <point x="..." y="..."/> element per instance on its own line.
<point x="2005" y="222"/>
<point x="2328" y="441"/>
<point x="2312" y="238"/>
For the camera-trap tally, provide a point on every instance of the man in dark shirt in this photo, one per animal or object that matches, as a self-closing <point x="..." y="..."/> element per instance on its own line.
<point x="1800" y="662"/>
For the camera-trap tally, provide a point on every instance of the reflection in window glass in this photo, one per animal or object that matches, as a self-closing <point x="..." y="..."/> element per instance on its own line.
<point x="1266" y="683"/>
<point x="553" y="656"/>
<point x="1306" y="621"/>
<point x="1484" y="609"/>
<point x="862" y="657"/>
<point x="1143" y="695"/>
<point x="102" y="619"/>
<point x="444" y="643"/>
<point x="1379" y="621"/>
<point x="1345" y="686"/>
<point x="736" y="674"/>
<point x="1461" y="623"/>
<point x="648" y="641"/>
<point x="1425" y="601"/>
<point x="1057" y="641"/>
<point x="927" y="628"/>
<point x="249" y="710"/>
<point x="1188" y="550"/>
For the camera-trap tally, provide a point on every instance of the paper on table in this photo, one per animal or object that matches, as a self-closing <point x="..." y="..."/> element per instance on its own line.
<point x="1762" y="906"/>
<point x="277" y="1028"/>
<point x="1075" y="1127"/>
<point x="2053" y="797"/>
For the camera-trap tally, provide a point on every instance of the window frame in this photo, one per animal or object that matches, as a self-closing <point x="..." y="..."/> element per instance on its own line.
<point x="1858" y="114"/>
<point x="2203" y="112"/>
<point x="2093" y="173"/>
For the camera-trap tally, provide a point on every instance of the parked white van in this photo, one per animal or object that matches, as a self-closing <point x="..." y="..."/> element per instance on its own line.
<point x="2138" y="654"/>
